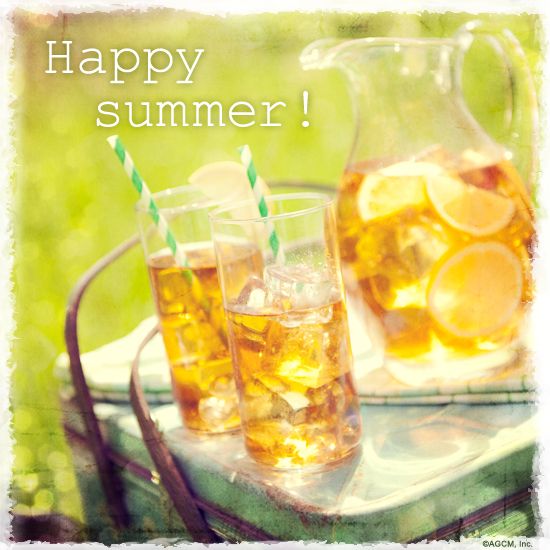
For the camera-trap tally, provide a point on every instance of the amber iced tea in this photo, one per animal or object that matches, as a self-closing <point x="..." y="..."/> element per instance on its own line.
<point x="299" y="405"/>
<point x="194" y="334"/>
<point x="438" y="251"/>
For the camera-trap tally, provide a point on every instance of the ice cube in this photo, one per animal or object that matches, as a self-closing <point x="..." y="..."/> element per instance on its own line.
<point x="251" y="303"/>
<point x="479" y="170"/>
<point x="309" y="441"/>
<point x="223" y="386"/>
<point x="470" y="160"/>
<point x="405" y="270"/>
<point x="269" y="396"/>
<point x="258" y="407"/>
<point x="372" y="247"/>
<point x="408" y="328"/>
<point x="330" y="396"/>
<point x="257" y="298"/>
<point x="268" y="436"/>
<point x="308" y="354"/>
<point x="419" y="246"/>
<point x="291" y="407"/>
<point x="298" y="286"/>
<point x="438" y="155"/>
<point x="312" y="369"/>
<point x="253" y="293"/>
<point x="216" y="410"/>
<point x="257" y="401"/>
<point x="316" y="316"/>
<point x="295" y="399"/>
<point x="292" y="393"/>
<point x="398" y="288"/>
<point x="272" y="383"/>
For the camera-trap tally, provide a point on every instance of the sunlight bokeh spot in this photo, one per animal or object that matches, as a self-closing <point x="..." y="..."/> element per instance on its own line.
<point x="23" y="457"/>
<point x="64" y="481"/>
<point x="43" y="500"/>
<point x="57" y="460"/>
<point x="27" y="482"/>
<point x="22" y="420"/>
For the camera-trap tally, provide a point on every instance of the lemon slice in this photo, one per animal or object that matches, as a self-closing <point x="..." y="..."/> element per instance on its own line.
<point x="225" y="180"/>
<point x="477" y="290"/>
<point x="394" y="188"/>
<point x="381" y="196"/>
<point x="468" y="208"/>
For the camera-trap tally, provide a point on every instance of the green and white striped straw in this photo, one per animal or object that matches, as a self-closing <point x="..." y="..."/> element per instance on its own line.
<point x="274" y="243"/>
<point x="147" y="198"/>
<point x="164" y="230"/>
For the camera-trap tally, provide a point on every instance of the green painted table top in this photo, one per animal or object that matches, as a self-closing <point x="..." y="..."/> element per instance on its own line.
<point x="419" y="469"/>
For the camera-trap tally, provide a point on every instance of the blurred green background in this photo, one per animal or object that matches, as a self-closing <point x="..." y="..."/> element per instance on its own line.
<point x="73" y="203"/>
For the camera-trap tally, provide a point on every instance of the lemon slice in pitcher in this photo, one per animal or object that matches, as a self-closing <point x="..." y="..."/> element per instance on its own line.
<point x="381" y="196"/>
<point x="225" y="180"/>
<point x="477" y="290"/>
<point x="468" y="208"/>
<point x="394" y="188"/>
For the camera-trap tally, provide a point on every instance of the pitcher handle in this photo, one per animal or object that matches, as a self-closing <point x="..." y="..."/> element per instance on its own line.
<point x="522" y="113"/>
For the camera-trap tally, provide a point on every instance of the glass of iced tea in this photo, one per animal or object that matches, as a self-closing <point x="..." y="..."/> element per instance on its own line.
<point x="288" y="331"/>
<point x="190" y="310"/>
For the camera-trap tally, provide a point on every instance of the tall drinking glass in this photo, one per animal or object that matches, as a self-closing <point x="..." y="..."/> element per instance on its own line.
<point x="288" y="330"/>
<point x="191" y="315"/>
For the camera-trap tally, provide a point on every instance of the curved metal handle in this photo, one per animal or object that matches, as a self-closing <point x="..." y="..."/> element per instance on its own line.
<point x="112" y="486"/>
<point x="522" y="110"/>
<point x="171" y="477"/>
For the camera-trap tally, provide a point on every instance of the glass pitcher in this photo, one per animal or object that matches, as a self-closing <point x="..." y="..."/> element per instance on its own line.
<point x="435" y="223"/>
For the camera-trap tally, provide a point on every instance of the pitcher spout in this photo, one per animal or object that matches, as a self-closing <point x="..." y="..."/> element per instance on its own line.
<point x="322" y="54"/>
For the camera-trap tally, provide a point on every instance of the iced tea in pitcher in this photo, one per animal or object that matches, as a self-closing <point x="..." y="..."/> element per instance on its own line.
<point x="438" y="250"/>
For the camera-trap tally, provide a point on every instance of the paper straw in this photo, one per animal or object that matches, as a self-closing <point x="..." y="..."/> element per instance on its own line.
<point x="147" y="198"/>
<point x="274" y="243"/>
<point x="158" y="219"/>
<point x="163" y="229"/>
